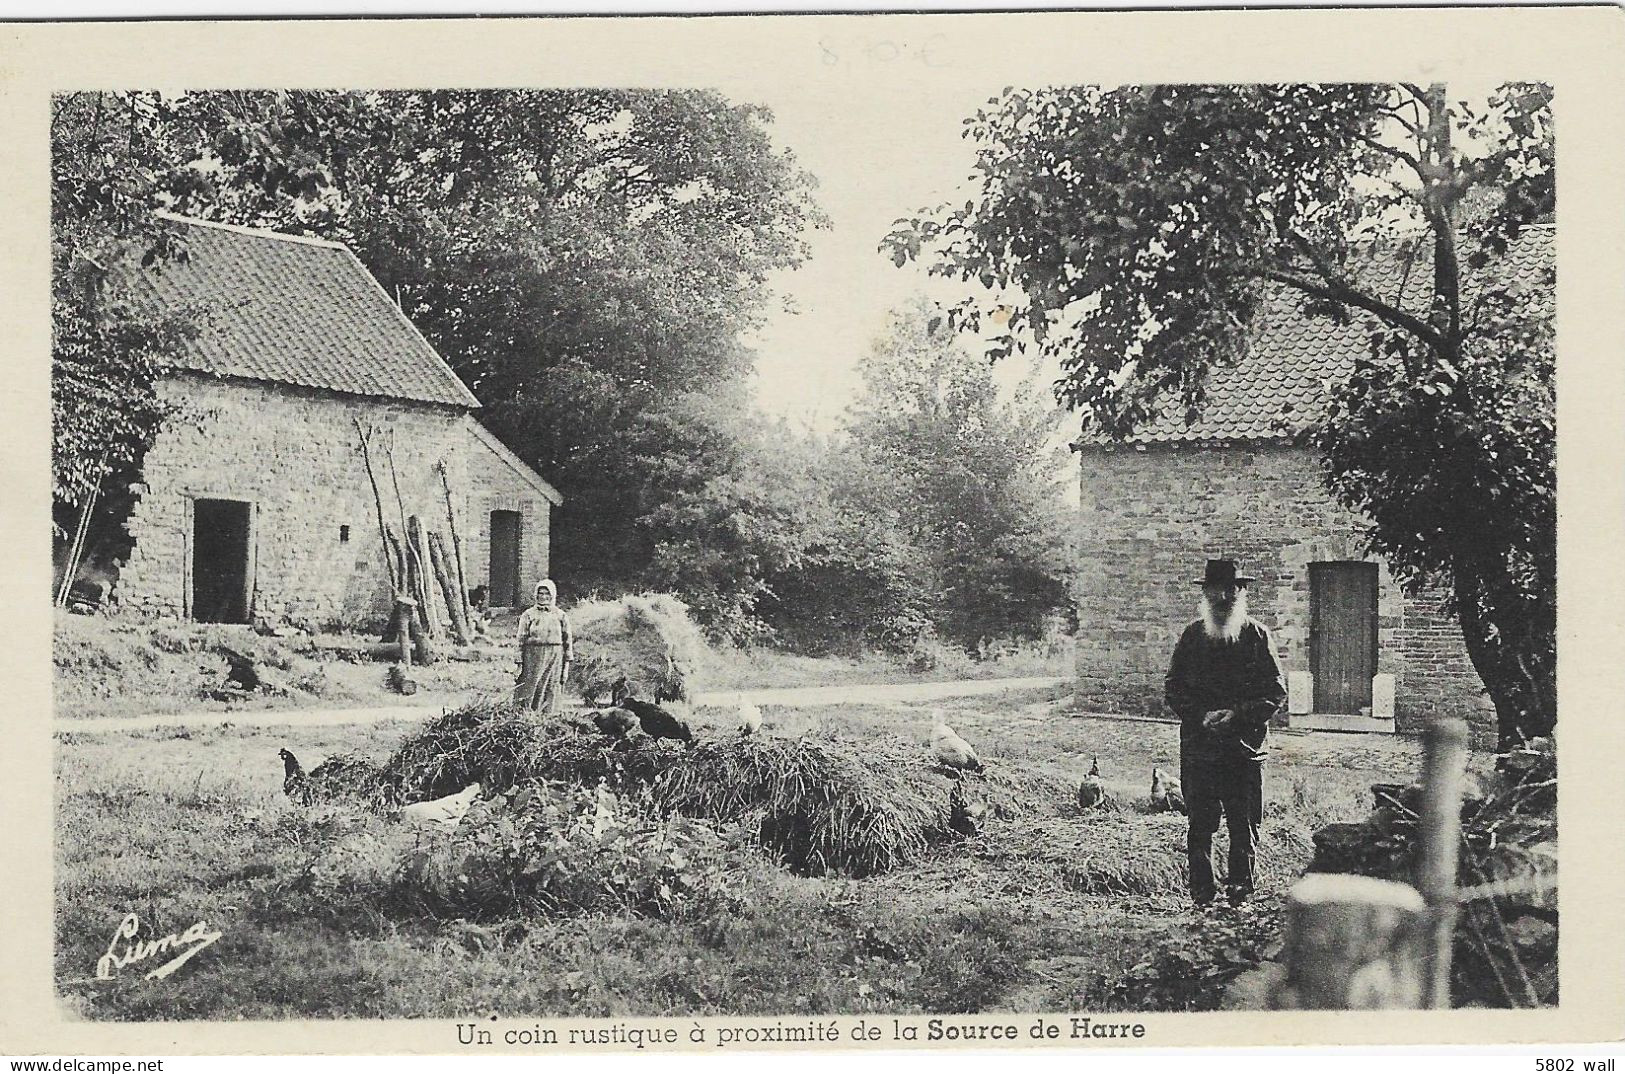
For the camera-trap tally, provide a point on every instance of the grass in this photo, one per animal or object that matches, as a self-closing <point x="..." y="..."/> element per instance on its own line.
<point x="1046" y="909"/>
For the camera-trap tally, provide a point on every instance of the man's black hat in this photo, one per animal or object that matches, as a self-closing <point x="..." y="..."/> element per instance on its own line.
<point x="1223" y="572"/>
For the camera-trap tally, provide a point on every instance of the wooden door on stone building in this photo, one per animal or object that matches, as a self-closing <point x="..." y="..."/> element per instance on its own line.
<point x="222" y="561"/>
<point x="1342" y="635"/>
<point x="505" y="559"/>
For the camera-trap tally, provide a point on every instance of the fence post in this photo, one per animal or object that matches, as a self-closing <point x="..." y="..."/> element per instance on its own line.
<point x="1352" y="943"/>
<point x="1444" y="766"/>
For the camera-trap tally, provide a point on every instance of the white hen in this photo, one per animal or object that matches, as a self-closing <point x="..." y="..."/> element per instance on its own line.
<point x="948" y="748"/>
<point x="445" y="812"/>
<point x="750" y="717"/>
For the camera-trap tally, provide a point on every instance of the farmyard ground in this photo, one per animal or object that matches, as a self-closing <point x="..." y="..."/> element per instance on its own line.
<point x="1047" y="909"/>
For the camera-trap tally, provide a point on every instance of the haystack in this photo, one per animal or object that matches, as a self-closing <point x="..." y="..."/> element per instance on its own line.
<point x="822" y="804"/>
<point x="648" y="638"/>
<point x="819" y="804"/>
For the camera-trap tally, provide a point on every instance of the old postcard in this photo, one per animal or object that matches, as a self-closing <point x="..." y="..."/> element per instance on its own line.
<point x="840" y="532"/>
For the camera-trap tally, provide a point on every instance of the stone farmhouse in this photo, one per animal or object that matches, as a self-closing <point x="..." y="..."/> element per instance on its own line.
<point x="255" y="502"/>
<point x="1359" y="654"/>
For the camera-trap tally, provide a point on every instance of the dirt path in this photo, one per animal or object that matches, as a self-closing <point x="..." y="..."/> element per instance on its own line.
<point x="786" y="697"/>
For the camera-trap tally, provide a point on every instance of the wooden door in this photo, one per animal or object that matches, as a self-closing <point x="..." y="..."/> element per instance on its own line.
<point x="1342" y="635"/>
<point x="222" y="567"/>
<point x="504" y="559"/>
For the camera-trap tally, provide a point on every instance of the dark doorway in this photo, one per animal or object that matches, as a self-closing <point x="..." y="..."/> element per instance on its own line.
<point x="221" y="579"/>
<point x="504" y="559"/>
<point x="1342" y="635"/>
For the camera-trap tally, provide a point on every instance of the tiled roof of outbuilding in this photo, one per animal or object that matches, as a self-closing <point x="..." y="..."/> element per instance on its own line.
<point x="1295" y="355"/>
<point x="296" y="310"/>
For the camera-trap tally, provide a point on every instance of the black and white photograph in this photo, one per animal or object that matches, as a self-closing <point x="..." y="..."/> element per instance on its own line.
<point x="930" y="548"/>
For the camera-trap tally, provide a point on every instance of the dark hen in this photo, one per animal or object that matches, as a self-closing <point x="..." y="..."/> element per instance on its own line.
<point x="657" y="722"/>
<point x="963" y="818"/>
<point x="295" y="784"/>
<point x="616" y="723"/>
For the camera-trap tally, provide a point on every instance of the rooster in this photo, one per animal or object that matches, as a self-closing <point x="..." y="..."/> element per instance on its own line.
<point x="1166" y="794"/>
<point x="1092" y="792"/>
<point x="295" y="783"/>
<point x="445" y="812"/>
<point x="750" y="717"/>
<point x="949" y="749"/>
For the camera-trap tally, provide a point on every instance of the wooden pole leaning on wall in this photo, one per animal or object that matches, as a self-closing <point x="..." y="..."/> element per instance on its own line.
<point x="423" y="574"/>
<point x="1444" y="768"/>
<point x="448" y="588"/>
<point x="1352" y="943"/>
<point x="456" y="547"/>
<point x="378" y="502"/>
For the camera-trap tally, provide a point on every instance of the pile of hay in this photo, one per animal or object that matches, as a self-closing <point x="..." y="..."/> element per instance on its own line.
<point x="649" y="638"/>
<point x="821" y="804"/>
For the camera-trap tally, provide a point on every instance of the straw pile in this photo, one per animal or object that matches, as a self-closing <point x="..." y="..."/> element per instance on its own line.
<point x="649" y="638"/>
<point x="821" y="805"/>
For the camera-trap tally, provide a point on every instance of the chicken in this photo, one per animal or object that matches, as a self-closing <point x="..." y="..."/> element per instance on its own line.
<point x="616" y="723"/>
<point x="1166" y="794"/>
<point x="336" y="777"/>
<point x="948" y="748"/>
<point x="241" y="673"/>
<point x="658" y="722"/>
<point x="672" y="688"/>
<point x="295" y="783"/>
<point x="444" y="812"/>
<point x="750" y="717"/>
<point x="964" y="818"/>
<point x="1092" y="792"/>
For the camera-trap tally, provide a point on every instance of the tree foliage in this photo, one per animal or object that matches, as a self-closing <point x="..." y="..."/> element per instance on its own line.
<point x="937" y="511"/>
<point x="1133" y="234"/>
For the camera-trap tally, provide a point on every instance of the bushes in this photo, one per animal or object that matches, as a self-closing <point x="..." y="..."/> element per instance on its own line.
<point x="1191" y="968"/>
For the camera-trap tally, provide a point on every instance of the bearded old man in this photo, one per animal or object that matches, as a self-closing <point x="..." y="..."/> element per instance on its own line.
<point x="1225" y="685"/>
<point x="544" y="652"/>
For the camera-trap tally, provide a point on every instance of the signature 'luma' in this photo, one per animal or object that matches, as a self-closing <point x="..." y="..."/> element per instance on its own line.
<point x="188" y="943"/>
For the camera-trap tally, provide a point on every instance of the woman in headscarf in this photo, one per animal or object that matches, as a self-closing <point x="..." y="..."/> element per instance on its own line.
<point x="544" y="652"/>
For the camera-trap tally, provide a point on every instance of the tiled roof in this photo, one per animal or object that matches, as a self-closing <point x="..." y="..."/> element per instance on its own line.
<point x="1295" y="355"/>
<point x="296" y="310"/>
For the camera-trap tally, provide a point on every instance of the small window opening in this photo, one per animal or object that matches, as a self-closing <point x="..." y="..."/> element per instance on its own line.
<point x="344" y="535"/>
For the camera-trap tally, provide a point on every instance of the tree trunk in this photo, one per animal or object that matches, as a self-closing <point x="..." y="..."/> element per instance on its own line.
<point x="1513" y="646"/>
<point x="1352" y="943"/>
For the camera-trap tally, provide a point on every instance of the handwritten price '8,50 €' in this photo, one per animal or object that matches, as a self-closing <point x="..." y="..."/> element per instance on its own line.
<point x="928" y="52"/>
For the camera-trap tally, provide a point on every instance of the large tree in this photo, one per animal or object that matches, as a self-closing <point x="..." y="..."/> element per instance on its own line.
<point x="975" y="478"/>
<point x="1134" y="234"/>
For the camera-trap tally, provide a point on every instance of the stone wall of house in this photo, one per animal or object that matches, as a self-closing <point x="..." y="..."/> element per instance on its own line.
<point x="493" y="486"/>
<point x="1151" y="516"/>
<point x="295" y="455"/>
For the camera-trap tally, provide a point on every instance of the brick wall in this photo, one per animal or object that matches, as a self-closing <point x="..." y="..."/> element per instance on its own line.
<point x="1150" y="518"/>
<point x="295" y="456"/>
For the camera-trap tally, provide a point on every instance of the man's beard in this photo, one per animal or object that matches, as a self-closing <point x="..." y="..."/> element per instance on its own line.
<point x="1230" y="628"/>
